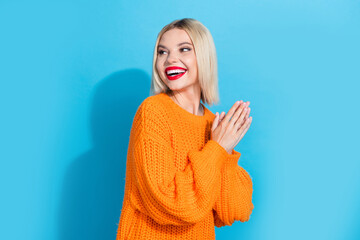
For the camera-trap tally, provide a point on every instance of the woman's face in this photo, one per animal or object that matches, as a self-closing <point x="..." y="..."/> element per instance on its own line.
<point x="175" y="49"/>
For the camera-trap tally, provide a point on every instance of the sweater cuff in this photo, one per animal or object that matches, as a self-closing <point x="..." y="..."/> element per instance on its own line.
<point x="211" y="156"/>
<point x="233" y="158"/>
<point x="216" y="147"/>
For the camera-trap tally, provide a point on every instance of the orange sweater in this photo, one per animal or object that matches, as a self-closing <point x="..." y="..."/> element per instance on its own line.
<point x="179" y="183"/>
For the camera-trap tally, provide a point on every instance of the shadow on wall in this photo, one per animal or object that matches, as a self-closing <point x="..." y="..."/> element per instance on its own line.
<point x="93" y="185"/>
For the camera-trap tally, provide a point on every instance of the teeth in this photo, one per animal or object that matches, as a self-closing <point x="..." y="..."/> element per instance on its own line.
<point x="175" y="71"/>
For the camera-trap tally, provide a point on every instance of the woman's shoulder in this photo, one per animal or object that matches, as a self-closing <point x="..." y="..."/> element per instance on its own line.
<point x="152" y="104"/>
<point x="152" y="110"/>
<point x="151" y="116"/>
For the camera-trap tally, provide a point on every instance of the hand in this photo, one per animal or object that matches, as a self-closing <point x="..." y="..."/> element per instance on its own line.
<point x="221" y="117"/>
<point x="228" y="132"/>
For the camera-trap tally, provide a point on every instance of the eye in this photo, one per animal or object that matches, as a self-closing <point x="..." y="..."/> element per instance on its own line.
<point x="160" y="52"/>
<point x="186" y="48"/>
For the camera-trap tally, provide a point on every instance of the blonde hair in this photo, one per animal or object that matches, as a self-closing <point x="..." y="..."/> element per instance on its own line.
<point x="205" y="56"/>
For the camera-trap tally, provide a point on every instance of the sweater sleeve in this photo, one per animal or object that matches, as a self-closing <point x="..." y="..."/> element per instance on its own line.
<point x="168" y="195"/>
<point x="235" y="199"/>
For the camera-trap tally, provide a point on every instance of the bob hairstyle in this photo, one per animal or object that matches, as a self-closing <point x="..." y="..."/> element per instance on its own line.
<point x="205" y="51"/>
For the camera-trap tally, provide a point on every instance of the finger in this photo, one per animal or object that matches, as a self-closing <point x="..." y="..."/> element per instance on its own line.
<point x="247" y="128"/>
<point x="231" y="112"/>
<point x="243" y="133"/>
<point x="246" y="116"/>
<point x="241" y="120"/>
<point x="240" y="112"/>
<point x="222" y="116"/>
<point x="248" y="125"/>
<point x="241" y="130"/>
<point x="215" y="122"/>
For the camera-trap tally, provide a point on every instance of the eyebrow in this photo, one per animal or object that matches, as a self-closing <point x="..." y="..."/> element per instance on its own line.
<point x="178" y="44"/>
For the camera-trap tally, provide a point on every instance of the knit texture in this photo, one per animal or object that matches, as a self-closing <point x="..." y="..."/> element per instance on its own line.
<point x="179" y="184"/>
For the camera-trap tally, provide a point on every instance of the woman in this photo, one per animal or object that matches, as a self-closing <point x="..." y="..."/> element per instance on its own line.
<point x="182" y="176"/>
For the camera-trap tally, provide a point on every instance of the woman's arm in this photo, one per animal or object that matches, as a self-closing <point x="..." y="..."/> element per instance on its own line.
<point x="167" y="195"/>
<point x="235" y="199"/>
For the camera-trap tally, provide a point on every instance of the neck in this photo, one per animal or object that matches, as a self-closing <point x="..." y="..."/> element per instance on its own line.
<point x="191" y="104"/>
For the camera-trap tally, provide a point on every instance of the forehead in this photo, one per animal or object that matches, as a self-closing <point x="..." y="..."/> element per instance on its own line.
<point x="173" y="37"/>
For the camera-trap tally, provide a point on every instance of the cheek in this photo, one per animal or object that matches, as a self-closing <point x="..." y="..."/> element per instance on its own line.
<point x="193" y="66"/>
<point x="192" y="62"/>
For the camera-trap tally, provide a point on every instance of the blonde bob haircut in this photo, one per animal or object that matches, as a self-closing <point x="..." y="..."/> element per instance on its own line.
<point x="205" y="56"/>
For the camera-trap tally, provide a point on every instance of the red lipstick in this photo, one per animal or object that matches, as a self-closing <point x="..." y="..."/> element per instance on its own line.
<point x="175" y="76"/>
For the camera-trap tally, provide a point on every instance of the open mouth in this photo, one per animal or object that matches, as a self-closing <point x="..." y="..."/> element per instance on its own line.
<point x="175" y="74"/>
<point x="172" y="73"/>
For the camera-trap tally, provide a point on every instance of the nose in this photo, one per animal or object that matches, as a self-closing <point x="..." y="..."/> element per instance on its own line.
<point x="172" y="57"/>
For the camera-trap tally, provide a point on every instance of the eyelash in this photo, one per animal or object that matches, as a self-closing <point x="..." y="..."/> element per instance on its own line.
<point x="159" y="52"/>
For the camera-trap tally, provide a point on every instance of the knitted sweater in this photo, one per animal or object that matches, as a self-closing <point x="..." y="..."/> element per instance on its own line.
<point x="179" y="184"/>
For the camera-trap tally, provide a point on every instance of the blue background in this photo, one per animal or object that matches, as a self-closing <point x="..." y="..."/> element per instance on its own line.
<point x="74" y="72"/>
